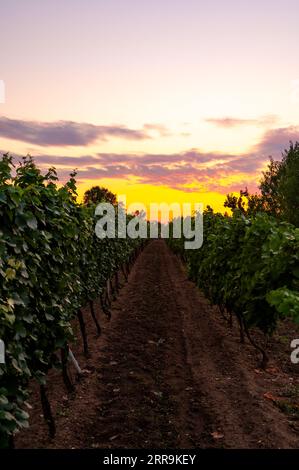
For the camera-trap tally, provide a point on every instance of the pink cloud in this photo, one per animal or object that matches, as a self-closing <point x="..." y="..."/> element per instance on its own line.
<point x="202" y="170"/>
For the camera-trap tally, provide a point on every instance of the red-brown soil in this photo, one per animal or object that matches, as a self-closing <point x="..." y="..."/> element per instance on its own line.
<point x="168" y="372"/>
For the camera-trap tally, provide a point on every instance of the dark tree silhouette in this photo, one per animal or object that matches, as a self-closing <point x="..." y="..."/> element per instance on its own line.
<point x="280" y="186"/>
<point x="98" y="194"/>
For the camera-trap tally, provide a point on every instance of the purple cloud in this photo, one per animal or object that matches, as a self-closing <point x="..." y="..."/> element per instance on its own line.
<point x="64" y="133"/>
<point x="275" y="141"/>
<point x="173" y="170"/>
<point x="205" y="171"/>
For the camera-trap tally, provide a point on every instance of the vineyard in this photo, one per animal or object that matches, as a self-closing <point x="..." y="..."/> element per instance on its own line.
<point x="51" y="265"/>
<point x="170" y="367"/>
<point x="249" y="268"/>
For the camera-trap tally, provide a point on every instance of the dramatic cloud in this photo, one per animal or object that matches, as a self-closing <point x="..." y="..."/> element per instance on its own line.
<point x="64" y="133"/>
<point x="189" y="171"/>
<point x="228" y="122"/>
<point x="192" y="168"/>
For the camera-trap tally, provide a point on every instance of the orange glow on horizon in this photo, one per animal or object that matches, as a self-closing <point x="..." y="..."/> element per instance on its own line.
<point x="147" y="194"/>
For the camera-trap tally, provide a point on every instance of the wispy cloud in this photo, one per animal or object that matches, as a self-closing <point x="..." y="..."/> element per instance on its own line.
<point x="70" y="133"/>
<point x="228" y="122"/>
<point x="159" y="129"/>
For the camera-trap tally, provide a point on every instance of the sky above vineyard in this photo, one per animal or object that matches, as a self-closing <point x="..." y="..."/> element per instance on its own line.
<point x="173" y="100"/>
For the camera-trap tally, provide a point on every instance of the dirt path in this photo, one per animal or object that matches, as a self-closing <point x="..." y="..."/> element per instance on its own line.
<point x="169" y="373"/>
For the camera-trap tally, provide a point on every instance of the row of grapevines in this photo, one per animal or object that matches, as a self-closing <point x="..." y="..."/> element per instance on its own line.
<point x="51" y="265"/>
<point x="248" y="267"/>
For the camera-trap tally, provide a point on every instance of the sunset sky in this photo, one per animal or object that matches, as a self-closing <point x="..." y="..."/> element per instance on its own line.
<point x="161" y="100"/>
